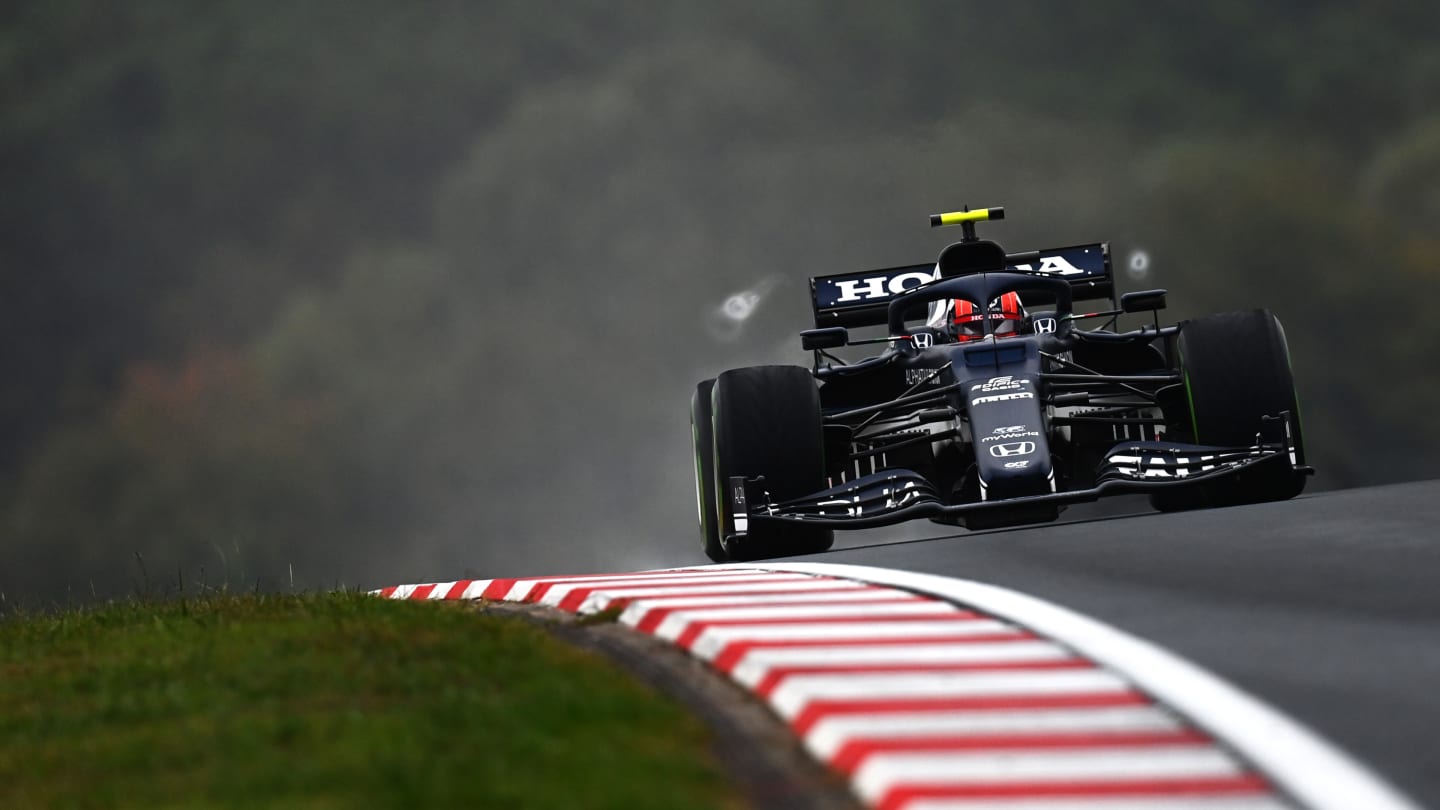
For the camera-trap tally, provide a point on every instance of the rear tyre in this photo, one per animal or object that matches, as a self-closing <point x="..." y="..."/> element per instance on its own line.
<point x="1236" y="367"/>
<point x="767" y="422"/>
<point x="702" y="433"/>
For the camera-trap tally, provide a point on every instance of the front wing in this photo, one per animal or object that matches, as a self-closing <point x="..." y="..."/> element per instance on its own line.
<point x="897" y="495"/>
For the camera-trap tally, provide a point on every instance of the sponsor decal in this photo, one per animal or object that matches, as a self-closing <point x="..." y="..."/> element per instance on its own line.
<point x="923" y="340"/>
<point x="1017" y="465"/>
<point x="1012" y="432"/>
<point x="851" y="509"/>
<point x="907" y="493"/>
<point x="1003" y="397"/>
<point x="1006" y="383"/>
<point x="1155" y="466"/>
<point x="894" y="499"/>
<point x="1045" y="326"/>
<point x="868" y="289"/>
<point x="739" y="507"/>
<point x="1012" y="449"/>
<point x="914" y="376"/>
<point x="1052" y="266"/>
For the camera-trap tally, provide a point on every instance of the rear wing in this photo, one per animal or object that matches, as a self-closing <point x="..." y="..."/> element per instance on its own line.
<point x="862" y="298"/>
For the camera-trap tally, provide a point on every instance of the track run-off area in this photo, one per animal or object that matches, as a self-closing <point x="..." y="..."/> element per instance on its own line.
<point x="1280" y="655"/>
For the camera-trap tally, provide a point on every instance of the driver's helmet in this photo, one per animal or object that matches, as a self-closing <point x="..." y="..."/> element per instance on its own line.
<point x="1006" y="317"/>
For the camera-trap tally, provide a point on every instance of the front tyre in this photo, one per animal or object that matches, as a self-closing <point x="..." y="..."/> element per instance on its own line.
<point x="701" y="431"/>
<point x="1236" y="367"/>
<point x="767" y="422"/>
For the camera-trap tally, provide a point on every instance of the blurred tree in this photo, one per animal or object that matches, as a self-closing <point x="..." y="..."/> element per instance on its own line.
<point x="1261" y="222"/>
<point x="1402" y="181"/>
<point x="172" y="171"/>
<point x="200" y="472"/>
<point x="462" y="258"/>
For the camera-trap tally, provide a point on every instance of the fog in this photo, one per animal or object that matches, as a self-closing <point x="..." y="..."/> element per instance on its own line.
<point x="352" y="294"/>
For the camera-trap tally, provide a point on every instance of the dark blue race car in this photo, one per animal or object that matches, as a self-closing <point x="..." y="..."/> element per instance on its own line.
<point x="990" y="405"/>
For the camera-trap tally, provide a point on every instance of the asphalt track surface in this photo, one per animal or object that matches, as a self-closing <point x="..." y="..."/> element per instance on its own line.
<point x="1327" y="607"/>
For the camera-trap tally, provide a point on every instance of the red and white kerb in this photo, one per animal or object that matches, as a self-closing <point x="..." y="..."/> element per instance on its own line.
<point x="918" y="701"/>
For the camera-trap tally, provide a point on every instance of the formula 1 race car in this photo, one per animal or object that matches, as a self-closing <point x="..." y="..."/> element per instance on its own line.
<point x="989" y="412"/>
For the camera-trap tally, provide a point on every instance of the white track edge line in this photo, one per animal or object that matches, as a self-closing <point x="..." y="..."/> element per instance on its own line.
<point x="1296" y="759"/>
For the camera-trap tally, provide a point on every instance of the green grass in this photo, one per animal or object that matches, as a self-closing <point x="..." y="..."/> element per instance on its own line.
<point x="338" y="700"/>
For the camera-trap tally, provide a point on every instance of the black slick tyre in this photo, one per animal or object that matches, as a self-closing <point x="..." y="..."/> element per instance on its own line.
<point x="767" y="421"/>
<point x="1236" y="367"/>
<point x="701" y="431"/>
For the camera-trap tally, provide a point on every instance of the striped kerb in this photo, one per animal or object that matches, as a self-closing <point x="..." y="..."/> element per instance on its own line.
<point x="919" y="702"/>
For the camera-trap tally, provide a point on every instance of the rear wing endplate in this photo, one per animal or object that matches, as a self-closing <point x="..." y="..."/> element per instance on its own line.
<point x="862" y="298"/>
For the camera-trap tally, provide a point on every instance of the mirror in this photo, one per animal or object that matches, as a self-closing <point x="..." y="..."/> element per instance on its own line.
<point x="1142" y="301"/>
<point x="831" y="337"/>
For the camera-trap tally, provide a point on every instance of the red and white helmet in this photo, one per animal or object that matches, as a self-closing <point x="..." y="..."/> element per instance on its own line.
<point x="1006" y="316"/>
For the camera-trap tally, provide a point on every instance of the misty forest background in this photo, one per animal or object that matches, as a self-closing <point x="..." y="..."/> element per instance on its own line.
<point x="369" y="292"/>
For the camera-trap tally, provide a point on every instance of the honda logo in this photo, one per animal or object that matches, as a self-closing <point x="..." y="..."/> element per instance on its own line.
<point x="1052" y="266"/>
<point x="1012" y="449"/>
<point x="923" y="340"/>
<point x="879" y="286"/>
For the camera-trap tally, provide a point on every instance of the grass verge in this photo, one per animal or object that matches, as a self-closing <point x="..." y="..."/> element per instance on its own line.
<point x="335" y="700"/>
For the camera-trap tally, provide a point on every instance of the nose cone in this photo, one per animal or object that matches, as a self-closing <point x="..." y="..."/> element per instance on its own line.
<point x="1012" y="455"/>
